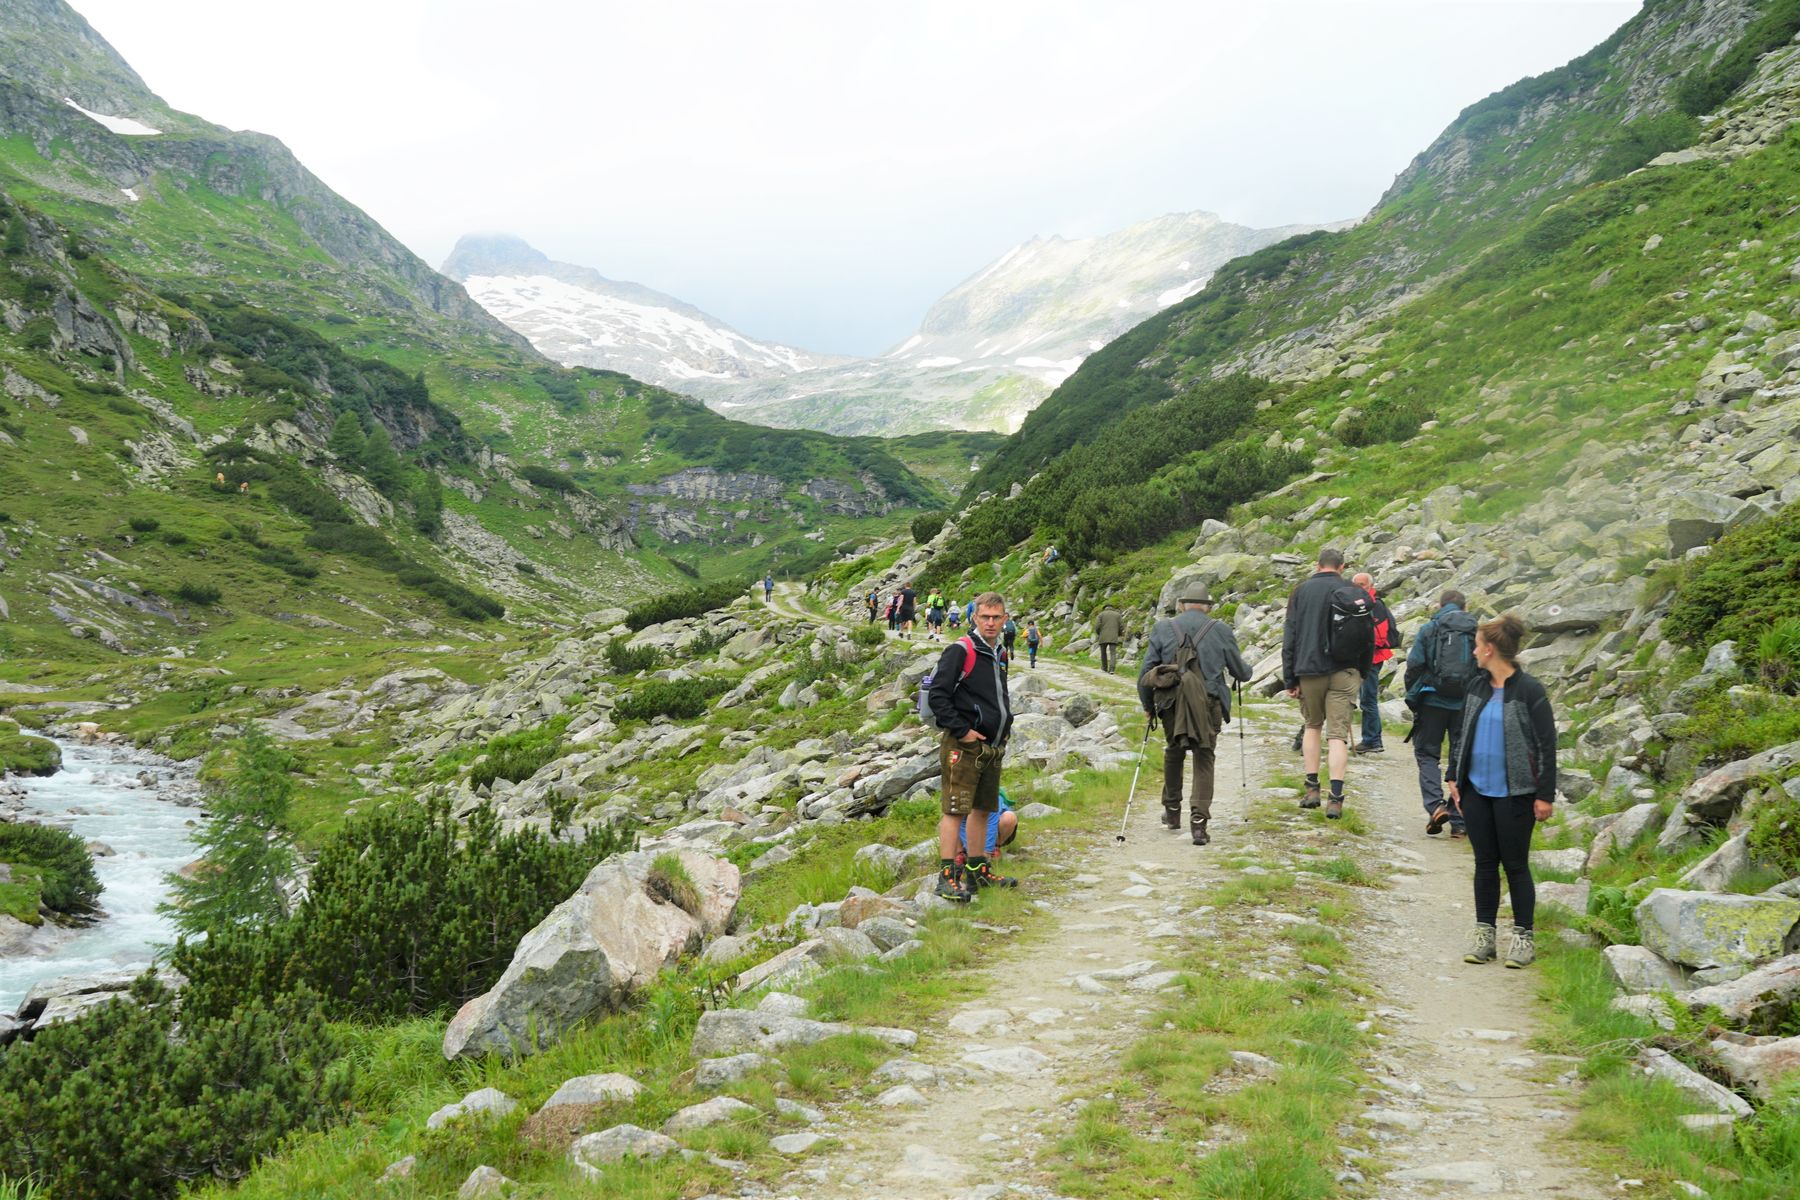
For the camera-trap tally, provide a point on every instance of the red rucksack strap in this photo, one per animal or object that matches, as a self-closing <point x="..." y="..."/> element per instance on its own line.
<point x="968" y="645"/>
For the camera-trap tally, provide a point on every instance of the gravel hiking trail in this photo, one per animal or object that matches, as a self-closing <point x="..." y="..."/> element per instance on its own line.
<point x="1457" y="1103"/>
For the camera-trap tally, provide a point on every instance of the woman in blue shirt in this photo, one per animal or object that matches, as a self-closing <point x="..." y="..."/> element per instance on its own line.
<point x="1503" y="782"/>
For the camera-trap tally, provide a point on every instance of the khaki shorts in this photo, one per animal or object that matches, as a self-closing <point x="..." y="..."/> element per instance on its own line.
<point x="971" y="778"/>
<point x="1326" y="700"/>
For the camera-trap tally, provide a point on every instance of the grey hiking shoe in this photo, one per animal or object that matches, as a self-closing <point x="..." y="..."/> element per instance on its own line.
<point x="1481" y="945"/>
<point x="1522" y="950"/>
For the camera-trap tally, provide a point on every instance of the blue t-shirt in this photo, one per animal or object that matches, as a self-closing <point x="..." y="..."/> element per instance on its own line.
<point x="993" y="829"/>
<point x="1487" y="757"/>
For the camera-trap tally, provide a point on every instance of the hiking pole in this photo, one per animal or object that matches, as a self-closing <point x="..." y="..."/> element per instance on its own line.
<point x="1243" y="715"/>
<point x="1119" y="837"/>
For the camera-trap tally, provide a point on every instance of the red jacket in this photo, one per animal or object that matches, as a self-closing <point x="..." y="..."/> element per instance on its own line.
<point x="1387" y="637"/>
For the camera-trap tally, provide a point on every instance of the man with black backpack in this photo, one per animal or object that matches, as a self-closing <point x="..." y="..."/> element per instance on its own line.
<point x="1182" y="680"/>
<point x="1440" y="668"/>
<point x="1327" y="646"/>
<point x="969" y="703"/>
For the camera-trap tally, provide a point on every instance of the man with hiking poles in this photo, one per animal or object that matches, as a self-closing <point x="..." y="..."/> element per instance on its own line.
<point x="1182" y="680"/>
<point x="972" y="710"/>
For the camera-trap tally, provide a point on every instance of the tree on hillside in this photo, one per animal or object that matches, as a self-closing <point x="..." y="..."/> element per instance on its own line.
<point x="238" y="880"/>
<point x="381" y="466"/>
<point x="347" y="439"/>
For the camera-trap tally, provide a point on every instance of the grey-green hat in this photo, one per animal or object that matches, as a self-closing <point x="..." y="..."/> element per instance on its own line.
<point x="1196" y="593"/>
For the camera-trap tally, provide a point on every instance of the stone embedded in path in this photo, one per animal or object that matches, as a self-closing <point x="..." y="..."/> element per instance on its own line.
<point x="487" y="1101"/>
<point x="708" y="1113"/>
<point x="718" y="1072"/>
<point x="901" y="1095"/>
<point x="905" y="1070"/>
<point x="797" y="1110"/>
<point x="723" y="1031"/>
<point x="1391" y="1118"/>
<point x="1090" y="986"/>
<point x="1156" y="981"/>
<point x="594" y="1089"/>
<point x="1129" y="971"/>
<point x="923" y="1162"/>
<point x="595" y="1150"/>
<point x="1008" y="1060"/>
<point x="975" y="1021"/>
<point x="1481" y="1178"/>
<point x="1249" y="1060"/>
<point x="794" y="1143"/>
<point x="1666" y="1066"/>
<point x="1707" y="929"/>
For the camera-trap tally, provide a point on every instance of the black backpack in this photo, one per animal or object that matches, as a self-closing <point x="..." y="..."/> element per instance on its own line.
<point x="1350" y="627"/>
<point x="1450" y="668"/>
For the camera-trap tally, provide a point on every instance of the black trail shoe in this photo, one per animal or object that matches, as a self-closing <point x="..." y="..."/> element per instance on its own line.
<point x="1171" y="819"/>
<point x="1201" y="837"/>
<point x="950" y="886"/>
<point x="983" y="875"/>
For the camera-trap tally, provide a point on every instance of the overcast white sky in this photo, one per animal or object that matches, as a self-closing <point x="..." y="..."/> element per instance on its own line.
<point x="818" y="171"/>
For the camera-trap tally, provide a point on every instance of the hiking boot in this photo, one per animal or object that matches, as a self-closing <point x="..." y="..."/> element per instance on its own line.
<point x="1334" y="808"/>
<point x="984" y="876"/>
<point x="1436" y="820"/>
<point x="1371" y="748"/>
<point x="1481" y="945"/>
<point x="1300" y="740"/>
<point x="1457" y="831"/>
<point x="1201" y="837"/>
<point x="1310" y="799"/>
<point x="1363" y="748"/>
<point x="950" y="887"/>
<point x="1522" y="950"/>
<point x="1171" y="820"/>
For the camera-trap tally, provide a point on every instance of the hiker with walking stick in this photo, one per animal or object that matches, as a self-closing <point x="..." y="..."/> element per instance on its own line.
<point x="1182" y="681"/>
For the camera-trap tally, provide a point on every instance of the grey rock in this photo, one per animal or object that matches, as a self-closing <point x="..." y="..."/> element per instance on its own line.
<point x="794" y="1143"/>
<point x="797" y="1110"/>
<point x="1621" y="834"/>
<point x="1009" y="1060"/>
<point x="1716" y="796"/>
<point x="911" y="946"/>
<point x="1664" y="1065"/>
<point x="791" y="967"/>
<point x="1638" y="970"/>
<point x="402" y="1168"/>
<point x="783" y="1003"/>
<point x="886" y="932"/>
<point x="1715" y="872"/>
<point x="1706" y="929"/>
<point x="902" y="1095"/>
<point x="707" y="1113"/>
<point x="1571" y="896"/>
<point x="724" y="1031"/>
<point x="718" y="1072"/>
<point x="1721" y="659"/>
<point x="586" y="1090"/>
<point x="595" y="1150"/>
<point x="1760" y="1064"/>
<point x="599" y="946"/>
<point x="1037" y="810"/>
<point x="485" y="1101"/>
<point x="482" y="1182"/>
<point x="1476" y="1178"/>
<point x="1570" y="860"/>
<point x="905" y="1070"/>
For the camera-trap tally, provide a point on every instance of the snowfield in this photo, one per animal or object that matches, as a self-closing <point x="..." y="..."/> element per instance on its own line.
<point x="124" y="125"/>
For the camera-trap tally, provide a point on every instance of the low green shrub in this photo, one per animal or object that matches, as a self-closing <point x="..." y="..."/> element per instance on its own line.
<point x="1775" y="834"/>
<point x="117" y="1106"/>
<point x="868" y="635"/>
<point x="926" y="526"/>
<point x="144" y="524"/>
<point x="690" y="602"/>
<point x="622" y="658"/>
<point x="66" y="871"/>
<point x="195" y="592"/>
<point x="24" y="755"/>
<point x="1745" y="586"/>
<point x="174" y="537"/>
<point x="517" y="756"/>
<point x="682" y="699"/>
<point x="1778" y="656"/>
<point x="549" y="479"/>
<point x="409" y="911"/>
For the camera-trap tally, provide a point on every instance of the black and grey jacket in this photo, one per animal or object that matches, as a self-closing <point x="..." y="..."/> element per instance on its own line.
<point x="1529" y="728"/>
<point x="979" y="702"/>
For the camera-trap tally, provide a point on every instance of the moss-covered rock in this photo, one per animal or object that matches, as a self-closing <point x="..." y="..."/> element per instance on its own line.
<point x="1709" y="929"/>
<point x="21" y="754"/>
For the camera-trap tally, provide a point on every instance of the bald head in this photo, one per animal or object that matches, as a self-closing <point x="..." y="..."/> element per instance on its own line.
<point x="1363" y="580"/>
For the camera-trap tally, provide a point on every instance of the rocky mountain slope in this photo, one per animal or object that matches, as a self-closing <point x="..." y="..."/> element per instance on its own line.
<point x="187" y="310"/>
<point x="578" y="317"/>
<point x="985" y="354"/>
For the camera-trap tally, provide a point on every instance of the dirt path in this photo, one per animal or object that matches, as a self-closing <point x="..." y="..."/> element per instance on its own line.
<point x="1464" y="1107"/>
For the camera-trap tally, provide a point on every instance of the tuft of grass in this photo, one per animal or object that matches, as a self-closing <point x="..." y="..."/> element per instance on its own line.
<point x="670" y="882"/>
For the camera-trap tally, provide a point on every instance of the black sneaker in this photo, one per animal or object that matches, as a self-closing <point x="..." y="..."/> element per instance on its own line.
<point x="950" y="887"/>
<point x="985" y="876"/>
<point x="1435" y="822"/>
<point x="1310" y="798"/>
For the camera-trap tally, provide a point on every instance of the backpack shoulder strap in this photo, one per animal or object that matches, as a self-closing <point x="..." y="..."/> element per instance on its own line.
<point x="969" y="656"/>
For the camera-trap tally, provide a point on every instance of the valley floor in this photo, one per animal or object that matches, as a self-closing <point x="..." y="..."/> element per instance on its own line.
<point x="1454" y="1099"/>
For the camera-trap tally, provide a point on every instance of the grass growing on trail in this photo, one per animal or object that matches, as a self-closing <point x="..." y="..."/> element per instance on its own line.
<point x="1631" y="1123"/>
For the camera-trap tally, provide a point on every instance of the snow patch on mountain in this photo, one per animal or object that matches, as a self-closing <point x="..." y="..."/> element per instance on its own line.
<point x="125" y="125"/>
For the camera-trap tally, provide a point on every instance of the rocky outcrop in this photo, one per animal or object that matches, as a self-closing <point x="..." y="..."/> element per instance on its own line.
<point x="1710" y="929"/>
<point x="608" y="940"/>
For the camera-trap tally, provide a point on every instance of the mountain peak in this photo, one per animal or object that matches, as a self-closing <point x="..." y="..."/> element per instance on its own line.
<point x="494" y="254"/>
<point x="51" y="49"/>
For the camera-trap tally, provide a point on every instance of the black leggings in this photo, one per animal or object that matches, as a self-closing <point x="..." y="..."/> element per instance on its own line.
<point x="1499" y="830"/>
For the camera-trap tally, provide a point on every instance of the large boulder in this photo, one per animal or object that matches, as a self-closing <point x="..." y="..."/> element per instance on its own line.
<point x="1706" y="929"/>
<point x="595" y="1150"/>
<point x="1715" y="797"/>
<point x="1759" y="1002"/>
<point x="1664" y="1065"/>
<point x="609" y="939"/>
<point x="1715" y="872"/>
<point x="1760" y="1064"/>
